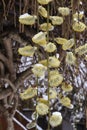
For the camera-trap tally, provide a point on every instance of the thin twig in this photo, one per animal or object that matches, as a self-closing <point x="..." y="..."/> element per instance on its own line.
<point x="10" y="83"/>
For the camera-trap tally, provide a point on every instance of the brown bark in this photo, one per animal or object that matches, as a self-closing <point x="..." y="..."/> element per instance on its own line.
<point x="86" y="117"/>
<point x="8" y="47"/>
<point x="2" y="69"/>
<point x="9" y="121"/>
<point x="5" y="93"/>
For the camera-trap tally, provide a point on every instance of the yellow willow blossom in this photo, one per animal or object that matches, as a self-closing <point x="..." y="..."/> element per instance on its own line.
<point x="42" y="109"/>
<point x="27" y="51"/>
<point x="28" y="93"/>
<point x="69" y="44"/>
<point x="43" y="62"/>
<point x="50" y="47"/>
<point x="60" y="40"/>
<point x="44" y="2"/>
<point x="81" y="49"/>
<point x="64" y="11"/>
<point x="53" y="62"/>
<point x="30" y="125"/>
<point x="65" y="101"/>
<point x="52" y="93"/>
<point x="55" y="119"/>
<point x="86" y="57"/>
<point x="55" y="79"/>
<point x="56" y="20"/>
<point x="54" y="72"/>
<point x="27" y="19"/>
<point x="70" y="58"/>
<point x="76" y="15"/>
<point x="78" y="26"/>
<point x="42" y="100"/>
<point x="34" y="115"/>
<point x="46" y="26"/>
<point x="70" y="106"/>
<point x="39" y="70"/>
<point x="42" y="11"/>
<point x="40" y="39"/>
<point x="60" y="95"/>
<point x="67" y="87"/>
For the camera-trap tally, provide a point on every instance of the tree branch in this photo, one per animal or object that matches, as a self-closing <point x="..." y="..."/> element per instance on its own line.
<point x="10" y="83"/>
<point x="22" y="76"/>
<point x="5" y="93"/>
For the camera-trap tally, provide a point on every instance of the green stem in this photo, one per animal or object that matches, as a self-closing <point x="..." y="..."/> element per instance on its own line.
<point x="37" y="18"/>
<point x="38" y="23"/>
<point x="36" y="104"/>
<point x="74" y="35"/>
<point x="48" y="65"/>
<point x="38" y="60"/>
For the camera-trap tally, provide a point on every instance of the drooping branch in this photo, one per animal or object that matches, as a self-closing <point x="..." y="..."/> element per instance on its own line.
<point x="75" y="4"/>
<point x="10" y="83"/>
<point x="2" y="69"/>
<point x="2" y="109"/>
<point x="4" y="8"/>
<point x="8" y="47"/>
<point x="7" y="60"/>
<point x="4" y="60"/>
<point x="9" y="121"/>
<point x="7" y="64"/>
<point x="5" y="93"/>
<point x="15" y="105"/>
<point x="22" y="76"/>
<point x="8" y="91"/>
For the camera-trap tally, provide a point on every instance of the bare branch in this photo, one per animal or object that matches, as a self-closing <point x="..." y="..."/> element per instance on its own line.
<point x="10" y="83"/>
<point x="5" y="93"/>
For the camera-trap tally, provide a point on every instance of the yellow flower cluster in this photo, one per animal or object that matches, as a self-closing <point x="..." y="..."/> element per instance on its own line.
<point x="67" y="87"/>
<point x="79" y="26"/>
<point x="64" y="11"/>
<point x="39" y="70"/>
<point x="55" y="79"/>
<point x="42" y="109"/>
<point x="27" y="19"/>
<point x="28" y="93"/>
<point x="42" y="100"/>
<point x="86" y="57"/>
<point x="50" y="47"/>
<point x="53" y="62"/>
<point x="44" y="26"/>
<point x="81" y="49"/>
<point x="70" y="58"/>
<point x="56" y="20"/>
<point x="77" y="15"/>
<point x="27" y="51"/>
<point x="56" y="119"/>
<point x="71" y="106"/>
<point x="66" y="44"/>
<point x="34" y="115"/>
<point x="42" y="11"/>
<point x="69" y="44"/>
<point x="52" y="93"/>
<point x="40" y="38"/>
<point x="44" y="2"/>
<point x="43" y="62"/>
<point x="65" y="101"/>
<point x="30" y="125"/>
<point x="60" y="40"/>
